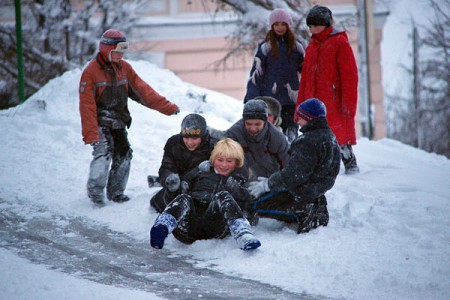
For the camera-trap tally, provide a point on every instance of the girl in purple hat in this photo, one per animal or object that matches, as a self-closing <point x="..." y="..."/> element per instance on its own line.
<point x="276" y="68"/>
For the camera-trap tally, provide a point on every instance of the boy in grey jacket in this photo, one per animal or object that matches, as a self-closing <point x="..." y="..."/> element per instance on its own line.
<point x="265" y="147"/>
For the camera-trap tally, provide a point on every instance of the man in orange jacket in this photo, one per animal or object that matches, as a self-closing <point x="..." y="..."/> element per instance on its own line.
<point x="105" y="86"/>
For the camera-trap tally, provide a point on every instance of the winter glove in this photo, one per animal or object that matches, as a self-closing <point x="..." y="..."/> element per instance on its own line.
<point x="184" y="187"/>
<point x="231" y="184"/>
<point x="259" y="187"/>
<point x="204" y="166"/>
<point x="173" y="182"/>
<point x="153" y="181"/>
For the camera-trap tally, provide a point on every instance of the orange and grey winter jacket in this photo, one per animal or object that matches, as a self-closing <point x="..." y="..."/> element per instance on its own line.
<point x="104" y="91"/>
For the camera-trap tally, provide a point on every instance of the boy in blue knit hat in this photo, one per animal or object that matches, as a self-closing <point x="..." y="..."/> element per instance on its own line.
<point x="296" y="194"/>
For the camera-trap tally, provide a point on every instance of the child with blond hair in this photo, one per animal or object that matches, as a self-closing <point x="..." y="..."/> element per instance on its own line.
<point x="210" y="205"/>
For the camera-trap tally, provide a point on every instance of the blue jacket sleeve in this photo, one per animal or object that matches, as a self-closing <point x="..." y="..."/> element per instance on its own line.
<point x="257" y="73"/>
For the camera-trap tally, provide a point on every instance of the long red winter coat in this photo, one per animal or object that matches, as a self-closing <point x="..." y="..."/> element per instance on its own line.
<point x="104" y="92"/>
<point x="330" y="74"/>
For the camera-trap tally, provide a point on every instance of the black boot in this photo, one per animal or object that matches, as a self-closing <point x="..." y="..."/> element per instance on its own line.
<point x="120" y="198"/>
<point x="153" y="181"/>
<point x="322" y="211"/>
<point x="97" y="198"/>
<point x="349" y="159"/>
<point x="307" y="217"/>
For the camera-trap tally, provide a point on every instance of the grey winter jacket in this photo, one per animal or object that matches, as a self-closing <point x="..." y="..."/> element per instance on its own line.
<point x="265" y="153"/>
<point x="314" y="163"/>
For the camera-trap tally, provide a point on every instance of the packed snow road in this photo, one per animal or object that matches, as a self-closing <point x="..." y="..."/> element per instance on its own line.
<point x="92" y="251"/>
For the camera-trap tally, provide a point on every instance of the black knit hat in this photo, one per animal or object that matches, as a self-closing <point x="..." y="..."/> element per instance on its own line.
<point x="311" y="109"/>
<point x="255" y="109"/>
<point x="319" y="15"/>
<point x="274" y="108"/>
<point x="193" y="125"/>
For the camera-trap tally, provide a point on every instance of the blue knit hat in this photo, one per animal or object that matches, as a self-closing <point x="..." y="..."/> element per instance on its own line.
<point x="311" y="109"/>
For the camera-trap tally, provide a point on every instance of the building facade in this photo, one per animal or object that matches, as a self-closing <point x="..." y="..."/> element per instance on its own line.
<point x="188" y="38"/>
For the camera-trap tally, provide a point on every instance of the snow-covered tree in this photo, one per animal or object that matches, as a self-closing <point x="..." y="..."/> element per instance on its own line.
<point x="435" y="86"/>
<point x="422" y="119"/>
<point x="56" y="37"/>
<point x="252" y="22"/>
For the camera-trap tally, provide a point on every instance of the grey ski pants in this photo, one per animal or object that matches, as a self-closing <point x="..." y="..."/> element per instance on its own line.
<point x="110" y="166"/>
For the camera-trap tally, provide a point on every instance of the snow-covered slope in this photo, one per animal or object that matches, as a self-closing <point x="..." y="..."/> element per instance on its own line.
<point x="387" y="238"/>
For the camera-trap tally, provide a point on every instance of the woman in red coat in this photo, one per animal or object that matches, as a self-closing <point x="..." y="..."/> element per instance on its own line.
<point x="330" y="73"/>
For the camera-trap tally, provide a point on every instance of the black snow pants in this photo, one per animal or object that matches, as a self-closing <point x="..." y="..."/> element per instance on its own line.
<point x="198" y="221"/>
<point x="290" y="128"/>
<point x="282" y="206"/>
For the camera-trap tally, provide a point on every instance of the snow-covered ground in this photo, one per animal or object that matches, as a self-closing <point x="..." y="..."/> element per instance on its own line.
<point x="387" y="238"/>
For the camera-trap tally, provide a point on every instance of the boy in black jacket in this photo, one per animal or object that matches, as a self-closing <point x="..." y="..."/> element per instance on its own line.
<point x="209" y="205"/>
<point x="298" y="191"/>
<point x="182" y="153"/>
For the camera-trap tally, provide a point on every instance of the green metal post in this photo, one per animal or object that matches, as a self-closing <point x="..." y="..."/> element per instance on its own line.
<point x="20" y="78"/>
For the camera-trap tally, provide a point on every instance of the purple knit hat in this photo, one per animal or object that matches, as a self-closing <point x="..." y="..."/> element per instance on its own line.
<point x="280" y="15"/>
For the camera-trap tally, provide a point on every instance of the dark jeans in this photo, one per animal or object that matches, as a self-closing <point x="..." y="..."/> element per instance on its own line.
<point x="157" y="201"/>
<point x="278" y="205"/>
<point x="290" y="128"/>
<point x="282" y="206"/>
<point x="110" y="166"/>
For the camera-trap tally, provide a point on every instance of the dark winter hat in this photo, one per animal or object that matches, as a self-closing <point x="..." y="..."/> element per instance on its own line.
<point x="280" y="15"/>
<point x="319" y="15"/>
<point x="274" y="108"/>
<point x="193" y="125"/>
<point x="112" y="39"/>
<point x="311" y="109"/>
<point x="255" y="109"/>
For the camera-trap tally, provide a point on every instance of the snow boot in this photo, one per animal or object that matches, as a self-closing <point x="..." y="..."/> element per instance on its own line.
<point x="322" y="211"/>
<point x="349" y="160"/>
<point x="120" y="198"/>
<point x="241" y="231"/>
<point x="352" y="170"/>
<point x="97" y="198"/>
<point x="153" y="181"/>
<point x="164" y="224"/>
<point x="307" y="218"/>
